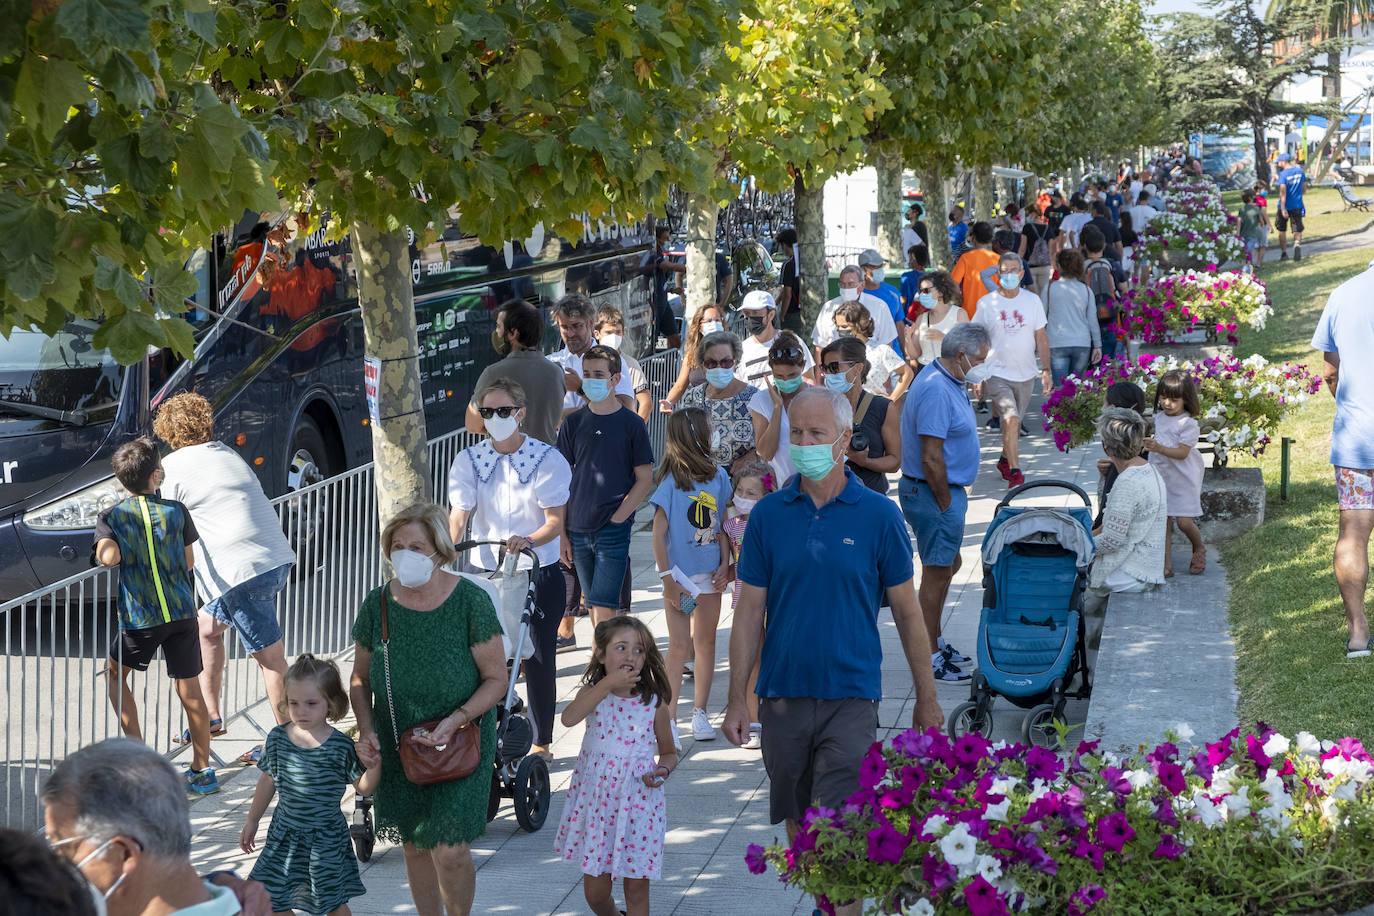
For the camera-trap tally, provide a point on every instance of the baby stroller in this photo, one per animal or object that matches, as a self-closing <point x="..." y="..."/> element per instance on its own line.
<point x="1030" y="636"/>
<point x="516" y="775"/>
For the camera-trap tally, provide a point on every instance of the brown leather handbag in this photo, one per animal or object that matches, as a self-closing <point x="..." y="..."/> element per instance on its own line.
<point x="424" y="764"/>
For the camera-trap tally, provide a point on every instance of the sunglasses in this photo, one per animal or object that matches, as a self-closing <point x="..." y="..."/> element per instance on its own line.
<point x="836" y="367"/>
<point x="727" y="363"/>
<point x="786" y="353"/>
<point x="486" y="413"/>
<point x="926" y="289"/>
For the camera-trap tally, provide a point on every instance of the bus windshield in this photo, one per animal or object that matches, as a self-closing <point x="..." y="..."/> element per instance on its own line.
<point x="62" y="372"/>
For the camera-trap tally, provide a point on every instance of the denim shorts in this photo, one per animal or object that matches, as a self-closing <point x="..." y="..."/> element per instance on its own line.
<point x="939" y="535"/>
<point x="601" y="558"/>
<point x="251" y="609"/>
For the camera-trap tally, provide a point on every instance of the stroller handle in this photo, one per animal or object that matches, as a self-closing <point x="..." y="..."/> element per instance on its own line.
<point x="1048" y="484"/>
<point x="464" y="546"/>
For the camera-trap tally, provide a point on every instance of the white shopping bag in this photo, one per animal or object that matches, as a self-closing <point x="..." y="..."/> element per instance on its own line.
<point x="507" y="594"/>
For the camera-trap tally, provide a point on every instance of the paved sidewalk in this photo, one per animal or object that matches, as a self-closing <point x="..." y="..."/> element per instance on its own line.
<point x="718" y="799"/>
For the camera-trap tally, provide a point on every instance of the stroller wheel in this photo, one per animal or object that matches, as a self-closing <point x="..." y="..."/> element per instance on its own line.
<point x="362" y="831"/>
<point x="494" y="800"/>
<point x="1037" y="729"/>
<point x="970" y="717"/>
<point x="530" y="793"/>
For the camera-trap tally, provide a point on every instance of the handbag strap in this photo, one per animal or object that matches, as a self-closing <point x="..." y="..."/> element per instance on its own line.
<point x="865" y="401"/>
<point x="386" y="667"/>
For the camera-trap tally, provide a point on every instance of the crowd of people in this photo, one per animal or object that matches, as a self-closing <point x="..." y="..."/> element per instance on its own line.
<point x="773" y="487"/>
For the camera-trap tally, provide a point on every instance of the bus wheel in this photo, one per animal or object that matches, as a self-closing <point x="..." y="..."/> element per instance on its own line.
<point x="306" y="519"/>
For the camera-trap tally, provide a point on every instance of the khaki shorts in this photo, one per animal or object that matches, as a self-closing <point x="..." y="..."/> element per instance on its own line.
<point x="812" y="750"/>
<point x="1009" y="399"/>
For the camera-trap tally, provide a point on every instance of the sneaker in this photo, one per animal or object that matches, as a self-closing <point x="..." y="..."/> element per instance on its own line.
<point x="1015" y="478"/>
<point x="755" y="737"/>
<point x="1023" y="432"/>
<point x="1283" y="256"/>
<point x="1003" y="467"/>
<point x="1297" y="252"/>
<point x="202" y="782"/>
<point x="702" y="729"/>
<point x="953" y="655"/>
<point x="995" y="423"/>
<point x="566" y="643"/>
<point x="677" y="742"/>
<point x="951" y="673"/>
<point x="687" y="670"/>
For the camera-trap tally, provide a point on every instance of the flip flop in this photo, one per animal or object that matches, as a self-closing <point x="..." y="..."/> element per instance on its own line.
<point x="216" y="729"/>
<point x="251" y="758"/>
<point x="1359" y="653"/>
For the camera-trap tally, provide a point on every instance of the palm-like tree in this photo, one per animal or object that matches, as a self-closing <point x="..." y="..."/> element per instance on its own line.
<point x="1336" y="19"/>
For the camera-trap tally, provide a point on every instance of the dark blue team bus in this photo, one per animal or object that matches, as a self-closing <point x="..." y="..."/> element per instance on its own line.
<point x="279" y="354"/>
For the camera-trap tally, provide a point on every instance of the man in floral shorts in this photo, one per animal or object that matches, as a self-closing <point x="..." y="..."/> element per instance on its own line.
<point x="1347" y="328"/>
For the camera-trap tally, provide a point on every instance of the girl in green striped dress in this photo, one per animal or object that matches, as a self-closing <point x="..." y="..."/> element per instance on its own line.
<point x="307" y="863"/>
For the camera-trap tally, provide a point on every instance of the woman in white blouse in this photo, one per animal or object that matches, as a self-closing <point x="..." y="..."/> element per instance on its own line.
<point x="941" y="305"/>
<point x="514" y="488"/>
<point x="1130" y="542"/>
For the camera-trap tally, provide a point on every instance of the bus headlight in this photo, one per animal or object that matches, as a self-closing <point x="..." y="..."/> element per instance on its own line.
<point x="77" y="511"/>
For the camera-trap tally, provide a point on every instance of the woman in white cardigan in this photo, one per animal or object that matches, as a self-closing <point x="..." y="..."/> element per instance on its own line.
<point x="1130" y="542"/>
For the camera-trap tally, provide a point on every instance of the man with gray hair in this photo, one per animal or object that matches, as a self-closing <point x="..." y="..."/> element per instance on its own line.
<point x="939" y="463"/>
<point x="1015" y="319"/>
<point x="817" y="556"/>
<point x="117" y="810"/>
<point x="575" y="316"/>
<point x="851" y="290"/>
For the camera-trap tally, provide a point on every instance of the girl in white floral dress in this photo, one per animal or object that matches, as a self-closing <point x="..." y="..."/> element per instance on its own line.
<point x="614" y="814"/>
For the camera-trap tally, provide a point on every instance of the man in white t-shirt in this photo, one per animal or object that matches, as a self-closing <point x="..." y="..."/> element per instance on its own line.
<point x="759" y="311"/>
<point x="1074" y="222"/>
<point x="242" y="559"/>
<point x="575" y="316"/>
<point x="851" y="290"/>
<point x="1015" y="319"/>
<point x="1142" y="212"/>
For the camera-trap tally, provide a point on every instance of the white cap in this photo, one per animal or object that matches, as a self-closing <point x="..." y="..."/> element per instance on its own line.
<point x="757" y="300"/>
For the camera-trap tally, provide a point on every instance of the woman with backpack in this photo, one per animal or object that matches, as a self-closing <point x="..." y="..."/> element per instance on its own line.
<point x="1071" y="314"/>
<point x="1034" y="249"/>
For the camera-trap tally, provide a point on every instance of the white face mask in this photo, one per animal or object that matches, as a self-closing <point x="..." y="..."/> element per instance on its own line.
<point x="611" y="340"/>
<point x="98" y="897"/>
<point x="878" y="275"/>
<point x="744" y="504"/>
<point x="413" y="569"/>
<point x="848" y="295"/>
<point x="501" y="428"/>
<point x="977" y="374"/>
<point x="711" y="327"/>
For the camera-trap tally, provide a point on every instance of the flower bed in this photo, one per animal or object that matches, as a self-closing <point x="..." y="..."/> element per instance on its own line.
<point x="1242" y="401"/>
<point x="1178" y="303"/>
<point x="1196" y="226"/>
<point x="1254" y="823"/>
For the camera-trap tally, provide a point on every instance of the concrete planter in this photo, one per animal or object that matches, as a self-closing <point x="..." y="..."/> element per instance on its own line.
<point x="1232" y="502"/>
<point x="1194" y="347"/>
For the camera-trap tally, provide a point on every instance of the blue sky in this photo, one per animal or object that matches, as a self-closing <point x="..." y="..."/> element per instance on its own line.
<point x="1161" y="7"/>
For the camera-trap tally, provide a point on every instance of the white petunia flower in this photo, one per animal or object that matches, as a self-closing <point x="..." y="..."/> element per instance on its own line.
<point x="1184" y="731"/>
<point x="959" y="847"/>
<point x="1207" y="812"/>
<point x="1223" y="781"/>
<point x="935" y="824"/>
<point x="919" y="908"/>
<point x="989" y="868"/>
<point x="997" y="812"/>
<point x="1238" y="803"/>
<point x="1277" y="744"/>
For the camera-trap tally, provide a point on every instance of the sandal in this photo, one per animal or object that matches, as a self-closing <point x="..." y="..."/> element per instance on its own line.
<point x="216" y="729"/>
<point x="251" y="758"/>
<point x="1198" y="565"/>
<point x="1359" y="653"/>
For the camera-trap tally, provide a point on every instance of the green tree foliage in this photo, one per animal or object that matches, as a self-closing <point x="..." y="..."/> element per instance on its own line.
<point x="1222" y="71"/>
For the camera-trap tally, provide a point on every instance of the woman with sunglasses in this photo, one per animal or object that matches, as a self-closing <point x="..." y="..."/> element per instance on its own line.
<point x="514" y="488"/>
<point x="875" y="448"/>
<point x="940" y="301"/>
<point x="708" y="319"/>
<point x="725" y="398"/>
<point x="787" y="363"/>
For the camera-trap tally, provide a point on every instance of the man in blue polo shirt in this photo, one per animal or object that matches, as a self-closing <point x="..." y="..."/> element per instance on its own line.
<point x="818" y="555"/>
<point x="1291" y="181"/>
<point x="939" y="463"/>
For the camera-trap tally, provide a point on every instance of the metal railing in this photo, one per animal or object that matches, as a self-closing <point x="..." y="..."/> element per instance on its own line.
<point x="56" y="640"/>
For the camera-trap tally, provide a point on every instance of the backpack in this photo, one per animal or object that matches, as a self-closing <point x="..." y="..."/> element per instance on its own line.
<point x="1103" y="286"/>
<point x="1040" y="251"/>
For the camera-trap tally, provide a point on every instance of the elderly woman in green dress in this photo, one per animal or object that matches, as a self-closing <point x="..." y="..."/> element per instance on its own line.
<point x="447" y="660"/>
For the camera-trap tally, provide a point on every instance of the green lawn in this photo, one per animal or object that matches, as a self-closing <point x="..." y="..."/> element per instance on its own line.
<point x="1326" y="213"/>
<point x="1286" y="615"/>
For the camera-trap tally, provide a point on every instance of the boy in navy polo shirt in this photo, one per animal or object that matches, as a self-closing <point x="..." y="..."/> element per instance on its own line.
<point x="150" y="540"/>
<point x="607" y="445"/>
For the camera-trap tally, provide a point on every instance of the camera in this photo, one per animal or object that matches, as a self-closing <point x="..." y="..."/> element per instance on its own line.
<point x="859" y="440"/>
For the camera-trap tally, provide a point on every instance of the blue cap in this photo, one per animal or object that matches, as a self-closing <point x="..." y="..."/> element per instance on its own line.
<point x="1284" y="157"/>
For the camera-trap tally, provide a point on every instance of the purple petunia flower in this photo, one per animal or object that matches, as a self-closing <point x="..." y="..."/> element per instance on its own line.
<point x="1114" y="831"/>
<point x="936" y="872"/>
<point x="885" y="844"/>
<point x="753" y="858"/>
<point x="872" y="768"/>
<point x="982" y="899"/>
<point x="1169" y="848"/>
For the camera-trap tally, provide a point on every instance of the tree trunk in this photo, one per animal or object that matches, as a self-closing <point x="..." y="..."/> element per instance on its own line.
<point x="700" y="288"/>
<point x="399" y="442"/>
<point x="815" y="280"/>
<point x="889" y="169"/>
<point x="1261" y="153"/>
<point x="983" y="205"/>
<point x="932" y="181"/>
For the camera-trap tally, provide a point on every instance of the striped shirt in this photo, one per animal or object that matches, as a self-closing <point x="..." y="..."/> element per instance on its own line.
<point x="154" y="582"/>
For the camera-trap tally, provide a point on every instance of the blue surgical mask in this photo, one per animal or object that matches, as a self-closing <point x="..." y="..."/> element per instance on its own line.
<point x="711" y="327"/>
<point x="1009" y="281"/>
<point x="838" y="381"/>
<point x="719" y="378"/>
<point x="813" y="461"/>
<point x="879" y="275"/>
<point x="927" y="300"/>
<point x="787" y="385"/>
<point x="596" y="389"/>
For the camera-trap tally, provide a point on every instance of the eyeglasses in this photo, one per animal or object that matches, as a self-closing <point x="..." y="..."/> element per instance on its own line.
<point x="836" y="367"/>
<point x="786" y="353"/>
<point x="726" y="363"/>
<point x="926" y="289"/>
<point x="486" y="413"/>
